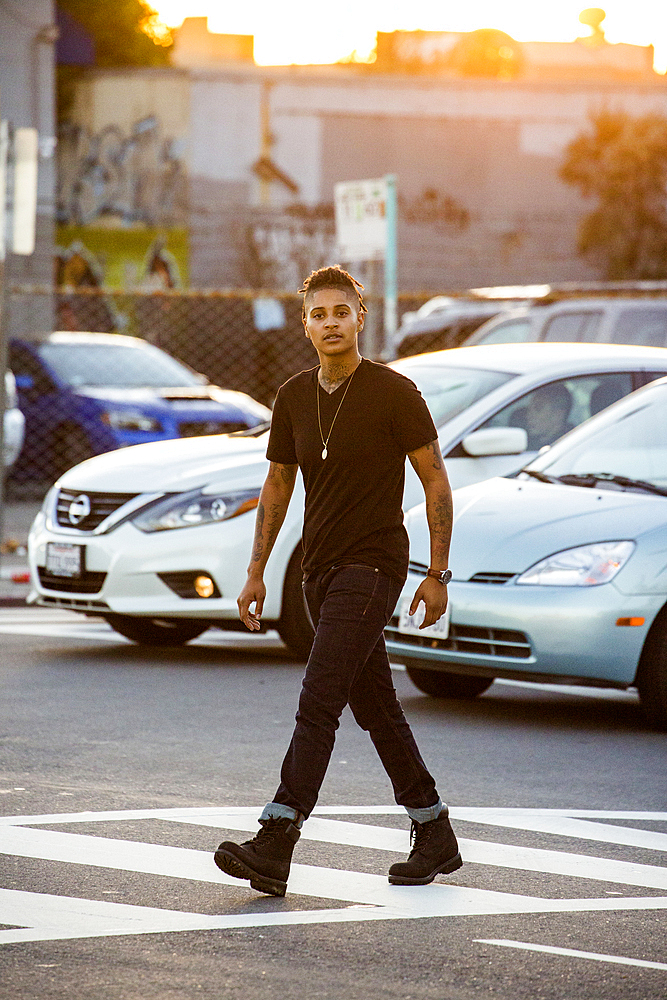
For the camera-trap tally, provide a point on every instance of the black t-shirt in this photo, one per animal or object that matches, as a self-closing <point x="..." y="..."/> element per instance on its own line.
<point x="353" y="511"/>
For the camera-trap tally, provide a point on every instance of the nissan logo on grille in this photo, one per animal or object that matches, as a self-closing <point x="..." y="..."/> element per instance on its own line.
<point x="79" y="509"/>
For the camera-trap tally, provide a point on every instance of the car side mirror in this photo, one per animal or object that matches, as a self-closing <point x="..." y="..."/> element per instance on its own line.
<point x="25" y="382"/>
<point x="496" y="441"/>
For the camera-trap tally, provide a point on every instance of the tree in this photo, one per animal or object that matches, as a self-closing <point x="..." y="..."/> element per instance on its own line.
<point x="124" y="32"/>
<point x="622" y="163"/>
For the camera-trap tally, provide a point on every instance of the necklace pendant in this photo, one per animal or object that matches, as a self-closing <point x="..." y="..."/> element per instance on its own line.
<point x="324" y="453"/>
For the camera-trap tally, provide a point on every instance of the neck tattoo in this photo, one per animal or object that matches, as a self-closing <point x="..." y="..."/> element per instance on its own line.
<point x="325" y="443"/>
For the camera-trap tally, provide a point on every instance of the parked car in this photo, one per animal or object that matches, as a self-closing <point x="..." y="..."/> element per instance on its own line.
<point x="86" y="393"/>
<point x="13" y="423"/>
<point x="559" y="572"/>
<point x="156" y="539"/>
<point x="445" y="322"/>
<point x="613" y="320"/>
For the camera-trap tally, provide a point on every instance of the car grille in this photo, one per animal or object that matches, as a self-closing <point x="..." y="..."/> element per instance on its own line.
<point x="199" y="428"/>
<point x="491" y="577"/>
<point x="87" y="583"/>
<point x="101" y="505"/>
<point x="469" y="639"/>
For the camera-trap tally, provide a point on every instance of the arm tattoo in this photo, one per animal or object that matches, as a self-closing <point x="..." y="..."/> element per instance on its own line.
<point x="259" y="527"/>
<point x="270" y="510"/>
<point x="440" y="515"/>
<point x="434" y="449"/>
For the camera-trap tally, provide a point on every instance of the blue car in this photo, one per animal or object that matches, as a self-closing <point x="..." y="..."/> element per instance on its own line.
<point x="87" y="393"/>
<point x="560" y="572"/>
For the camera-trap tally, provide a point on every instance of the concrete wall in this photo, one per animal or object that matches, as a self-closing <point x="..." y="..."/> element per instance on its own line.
<point x="493" y="147"/>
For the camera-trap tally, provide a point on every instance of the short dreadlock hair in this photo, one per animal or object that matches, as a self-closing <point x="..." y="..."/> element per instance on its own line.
<point x="332" y="277"/>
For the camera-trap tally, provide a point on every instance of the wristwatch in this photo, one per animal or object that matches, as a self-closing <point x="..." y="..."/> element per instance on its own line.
<point x="443" y="576"/>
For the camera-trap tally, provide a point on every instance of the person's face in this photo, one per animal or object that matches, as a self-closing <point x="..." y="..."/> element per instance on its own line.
<point x="333" y="321"/>
<point x="545" y="417"/>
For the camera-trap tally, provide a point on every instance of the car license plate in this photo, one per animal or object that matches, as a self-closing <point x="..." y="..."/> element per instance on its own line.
<point x="409" y="624"/>
<point x="64" y="559"/>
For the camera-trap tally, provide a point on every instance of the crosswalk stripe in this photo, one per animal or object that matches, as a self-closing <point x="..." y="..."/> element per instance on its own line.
<point x="573" y="953"/>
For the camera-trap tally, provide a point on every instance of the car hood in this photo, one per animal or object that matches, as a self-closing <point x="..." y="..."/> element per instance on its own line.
<point x="173" y="466"/>
<point x="507" y="525"/>
<point x="131" y="396"/>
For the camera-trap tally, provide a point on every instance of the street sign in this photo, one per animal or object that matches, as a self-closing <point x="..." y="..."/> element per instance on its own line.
<point x="361" y="219"/>
<point x="366" y="224"/>
<point x="25" y="190"/>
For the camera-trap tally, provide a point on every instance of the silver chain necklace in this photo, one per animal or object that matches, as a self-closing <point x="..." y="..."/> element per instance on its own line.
<point x="325" y="450"/>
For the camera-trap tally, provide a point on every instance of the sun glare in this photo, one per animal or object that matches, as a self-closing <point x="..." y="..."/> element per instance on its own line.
<point x="299" y="31"/>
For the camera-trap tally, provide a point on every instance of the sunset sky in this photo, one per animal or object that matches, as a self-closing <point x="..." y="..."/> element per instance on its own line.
<point x="300" y="31"/>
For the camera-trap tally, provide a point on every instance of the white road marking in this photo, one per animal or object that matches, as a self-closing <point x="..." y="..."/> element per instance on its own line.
<point x="573" y="953"/>
<point x="567" y="825"/>
<point x="58" y="624"/>
<point x="42" y="917"/>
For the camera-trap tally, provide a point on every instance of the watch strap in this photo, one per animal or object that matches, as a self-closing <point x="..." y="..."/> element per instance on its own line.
<point x="443" y="576"/>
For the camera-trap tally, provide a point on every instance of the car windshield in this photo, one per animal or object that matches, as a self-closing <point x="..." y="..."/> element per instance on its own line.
<point x="117" y="365"/>
<point x="627" y="441"/>
<point x="512" y="331"/>
<point x="448" y="390"/>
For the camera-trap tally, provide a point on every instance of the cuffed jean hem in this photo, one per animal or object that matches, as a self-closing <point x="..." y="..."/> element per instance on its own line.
<point x="276" y="810"/>
<point x="423" y="815"/>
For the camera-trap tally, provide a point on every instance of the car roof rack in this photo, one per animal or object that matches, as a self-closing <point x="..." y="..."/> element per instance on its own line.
<point x="547" y="293"/>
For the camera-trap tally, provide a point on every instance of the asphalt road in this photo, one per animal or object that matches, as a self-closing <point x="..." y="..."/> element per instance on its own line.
<point x="122" y="768"/>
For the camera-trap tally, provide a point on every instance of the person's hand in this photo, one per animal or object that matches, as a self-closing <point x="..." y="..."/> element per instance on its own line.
<point x="434" y="596"/>
<point x="253" y="592"/>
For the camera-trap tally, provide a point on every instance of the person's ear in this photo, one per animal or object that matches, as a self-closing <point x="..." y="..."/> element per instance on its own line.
<point x="305" y="328"/>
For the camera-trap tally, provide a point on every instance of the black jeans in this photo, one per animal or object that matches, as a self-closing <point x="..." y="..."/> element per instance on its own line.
<point x="348" y="664"/>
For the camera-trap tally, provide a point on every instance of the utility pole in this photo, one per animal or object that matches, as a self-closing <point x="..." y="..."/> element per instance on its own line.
<point x="4" y="143"/>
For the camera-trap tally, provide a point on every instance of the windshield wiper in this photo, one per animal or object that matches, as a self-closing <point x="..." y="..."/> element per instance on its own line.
<point x="591" y="480"/>
<point x="543" y="478"/>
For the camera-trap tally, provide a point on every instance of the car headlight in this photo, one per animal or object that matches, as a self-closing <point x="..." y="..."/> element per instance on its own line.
<point x="585" y="566"/>
<point x="49" y="500"/>
<point x="130" y="420"/>
<point x="189" y="510"/>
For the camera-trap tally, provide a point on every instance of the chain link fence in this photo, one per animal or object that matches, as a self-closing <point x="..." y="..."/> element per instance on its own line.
<point x="83" y="395"/>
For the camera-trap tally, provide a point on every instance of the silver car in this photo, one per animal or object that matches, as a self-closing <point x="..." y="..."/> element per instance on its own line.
<point x="560" y="572"/>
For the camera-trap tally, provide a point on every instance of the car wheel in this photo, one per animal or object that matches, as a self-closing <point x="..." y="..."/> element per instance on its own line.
<point x="70" y="447"/>
<point x="294" y="628"/>
<point x="652" y="676"/>
<point x="443" y="685"/>
<point x="156" y="631"/>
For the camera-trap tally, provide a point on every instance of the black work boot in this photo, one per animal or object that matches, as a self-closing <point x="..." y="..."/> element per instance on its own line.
<point x="434" y="851"/>
<point x="265" y="859"/>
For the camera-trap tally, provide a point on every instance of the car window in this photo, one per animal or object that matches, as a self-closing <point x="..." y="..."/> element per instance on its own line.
<point x="553" y="409"/>
<point x="24" y="363"/>
<point x="631" y="440"/>
<point x="449" y="391"/>
<point x="647" y="327"/>
<point x="512" y="331"/>
<point x="572" y="326"/>
<point x="115" y="365"/>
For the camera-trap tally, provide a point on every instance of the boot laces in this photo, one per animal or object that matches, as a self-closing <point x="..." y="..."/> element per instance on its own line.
<point x="270" y="829"/>
<point x="420" y="834"/>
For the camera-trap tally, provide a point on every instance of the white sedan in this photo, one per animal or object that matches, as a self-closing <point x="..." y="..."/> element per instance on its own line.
<point x="156" y="538"/>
